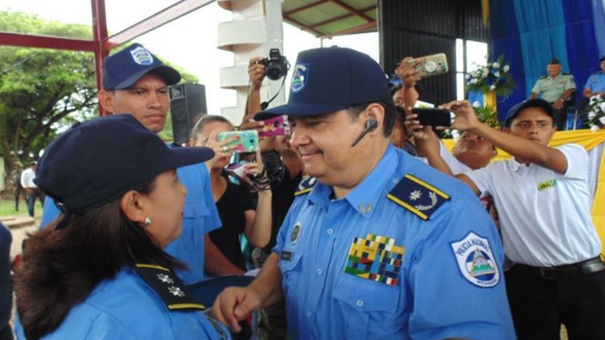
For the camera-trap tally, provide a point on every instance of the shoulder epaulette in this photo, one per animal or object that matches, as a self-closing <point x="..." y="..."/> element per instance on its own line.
<point x="418" y="196"/>
<point x="544" y="76"/>
<point x="305" y="185"/>
<point x="168" y="286"/>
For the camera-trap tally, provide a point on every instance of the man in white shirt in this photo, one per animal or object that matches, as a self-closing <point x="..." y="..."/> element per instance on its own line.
<point x="544" y="207"/>
<point x="33" y="192"/>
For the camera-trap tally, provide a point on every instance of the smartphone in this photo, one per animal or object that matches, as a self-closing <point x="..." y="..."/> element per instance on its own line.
<point x="433" y="117"/>
<point x="431" y="65"/>
<point x="276" y="126"/>
<point x="247" y="141"/>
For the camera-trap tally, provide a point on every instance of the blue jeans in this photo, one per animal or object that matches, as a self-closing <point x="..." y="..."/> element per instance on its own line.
<point x="31" y="200"/>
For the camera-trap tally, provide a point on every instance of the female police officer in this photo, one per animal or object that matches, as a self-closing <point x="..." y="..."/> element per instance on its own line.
<point x="100" y="271"/>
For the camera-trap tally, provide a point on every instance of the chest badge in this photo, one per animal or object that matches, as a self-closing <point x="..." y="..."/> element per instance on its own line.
<point x="295" y="233"/>
<point x="375" y="258"/>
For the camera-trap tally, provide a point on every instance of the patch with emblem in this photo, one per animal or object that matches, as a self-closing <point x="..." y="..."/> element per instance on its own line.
<point x="418" y="196"/>
<point x="551" y="183"/>
<point x="299" y="77"/>
<point x="295" y="233"/>
<point x="168" y="286"/>
<point x="375" y="258"/>
<point x="305" y="186"/>
<point x="476" y="260"/>
<point x="141" y="56"/>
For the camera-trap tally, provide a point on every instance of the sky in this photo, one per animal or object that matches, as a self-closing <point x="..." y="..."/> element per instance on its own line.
<point x="189" y="42"/>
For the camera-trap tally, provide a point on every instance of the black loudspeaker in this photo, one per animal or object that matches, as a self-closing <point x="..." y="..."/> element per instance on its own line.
<point x="187" y="103"/>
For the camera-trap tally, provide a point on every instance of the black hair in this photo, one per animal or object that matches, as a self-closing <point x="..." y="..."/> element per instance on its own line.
<point x="62" y="267"/>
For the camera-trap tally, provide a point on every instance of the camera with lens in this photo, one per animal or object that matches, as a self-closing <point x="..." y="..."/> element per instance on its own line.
<point x="276" y="65"/>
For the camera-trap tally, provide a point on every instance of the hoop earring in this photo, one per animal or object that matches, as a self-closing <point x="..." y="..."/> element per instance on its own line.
<point x="147" y="221"/>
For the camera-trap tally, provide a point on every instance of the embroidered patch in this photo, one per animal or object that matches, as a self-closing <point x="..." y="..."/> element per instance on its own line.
<point x="295" y="233"/>
<point x="375" y="258"/>
<point x="142" y="56"/>
<point x="168" y="287"/>
<point x="476" y="261"/>
<point x="306" y="185"/>
<point x="418" y="196"/>
<point x="299" y="77"/>
<point x="551" y="183"/>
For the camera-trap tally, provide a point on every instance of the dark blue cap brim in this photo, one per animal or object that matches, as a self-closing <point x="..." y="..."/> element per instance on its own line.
<point x="300" y="110"/>
<point x="536" y="102"/>
<point x="170" y="76"/>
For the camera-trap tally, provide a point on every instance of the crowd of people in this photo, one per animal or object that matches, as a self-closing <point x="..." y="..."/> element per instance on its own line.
<point x="353" y="221"/>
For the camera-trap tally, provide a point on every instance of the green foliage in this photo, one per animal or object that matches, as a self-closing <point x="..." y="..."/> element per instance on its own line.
<point x="487" y="115"/>
<point x="596" y="112"/>
<point x="44" y="91"/>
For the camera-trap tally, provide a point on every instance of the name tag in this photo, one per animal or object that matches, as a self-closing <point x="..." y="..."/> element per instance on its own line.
<point x="287" y="255"/>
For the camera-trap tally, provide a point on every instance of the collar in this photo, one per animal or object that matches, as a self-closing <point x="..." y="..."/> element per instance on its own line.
<point x="365" y="196"/>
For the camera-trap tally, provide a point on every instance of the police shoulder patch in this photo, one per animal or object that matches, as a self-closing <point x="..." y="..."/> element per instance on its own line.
<point x="418" y="196"/>
<point x="476" y="260"/>
<point x="168" y="286"/>
<point x="306" y="185"/>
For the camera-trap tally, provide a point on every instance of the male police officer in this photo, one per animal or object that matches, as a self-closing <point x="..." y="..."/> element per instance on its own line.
<point x="556" y="88"/>
<point x="377" y="245"/>
<point x="595" y="85"/>
<point x="135" y="81"/>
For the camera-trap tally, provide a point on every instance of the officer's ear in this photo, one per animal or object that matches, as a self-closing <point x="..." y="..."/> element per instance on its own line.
<point x="132" y="205"/>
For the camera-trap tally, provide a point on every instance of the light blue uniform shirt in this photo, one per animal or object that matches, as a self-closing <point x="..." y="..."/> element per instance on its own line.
<point x="596" y="82"/>
<point x="127" y="308"/>
<point x="200" y="216"/>
<point x="438" y="292"/>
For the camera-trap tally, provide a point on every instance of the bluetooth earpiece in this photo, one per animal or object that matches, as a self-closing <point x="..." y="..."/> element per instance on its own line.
<point x="371" y="124"/>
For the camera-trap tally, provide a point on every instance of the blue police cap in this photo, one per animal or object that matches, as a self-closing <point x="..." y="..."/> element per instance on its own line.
<point x="330" y="79"/>
<point x="96" y="162"/>
<point x="124" y="68"/>
<point x="537" y="102"/>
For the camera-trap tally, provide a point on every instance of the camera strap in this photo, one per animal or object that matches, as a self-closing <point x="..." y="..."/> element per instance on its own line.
<point x="264" y="105"/>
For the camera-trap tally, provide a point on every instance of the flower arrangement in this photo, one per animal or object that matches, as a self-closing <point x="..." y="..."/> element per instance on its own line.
<point x="495" y="76"/>
<point x="596" y="112"/>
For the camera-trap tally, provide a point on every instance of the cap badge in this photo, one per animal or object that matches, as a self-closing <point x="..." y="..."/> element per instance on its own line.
<point x="142" y="56"/>
<point x="299" y="77"/>
<point x="295" y="233"/>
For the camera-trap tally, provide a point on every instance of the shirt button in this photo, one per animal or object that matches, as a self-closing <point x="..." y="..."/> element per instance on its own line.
<point x="308" y="314"/>
<point x="319" y="271"/>
<point x="330" y="231"/>
<point x="359" y="303"/>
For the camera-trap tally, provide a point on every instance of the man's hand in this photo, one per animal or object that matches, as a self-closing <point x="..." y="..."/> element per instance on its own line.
<point x="235" y="304"/>
<point x="405" y="70"/>
<point x="256" y="73"/>
<point x="466" y="119"/>
<point x="558" y="104"/>
<point x="414" y="128"/>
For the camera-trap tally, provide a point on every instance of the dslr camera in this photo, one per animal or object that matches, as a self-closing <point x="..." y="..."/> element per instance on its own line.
<point x="276" y="65"/>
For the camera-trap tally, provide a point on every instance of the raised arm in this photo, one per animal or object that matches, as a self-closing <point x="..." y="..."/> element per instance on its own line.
<point x="524" y="146"/>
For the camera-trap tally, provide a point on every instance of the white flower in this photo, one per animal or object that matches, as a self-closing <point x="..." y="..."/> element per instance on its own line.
<point x="592" y="115"/>
<point x="496" y="65"/>
<point x="485" y="72"/>
<point x="602" y="106"/>
<point x="492" y="87"/>
<point x="476" y="104"/>
<point x="474" y="81"/>
<point x="594" y="128"/>
<point x="455" y="135"/>
<point x="602" y="120"/>
<point x="506" y="68"/>
<point x="497" y="74"/>
<point x="468" y="76"/>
